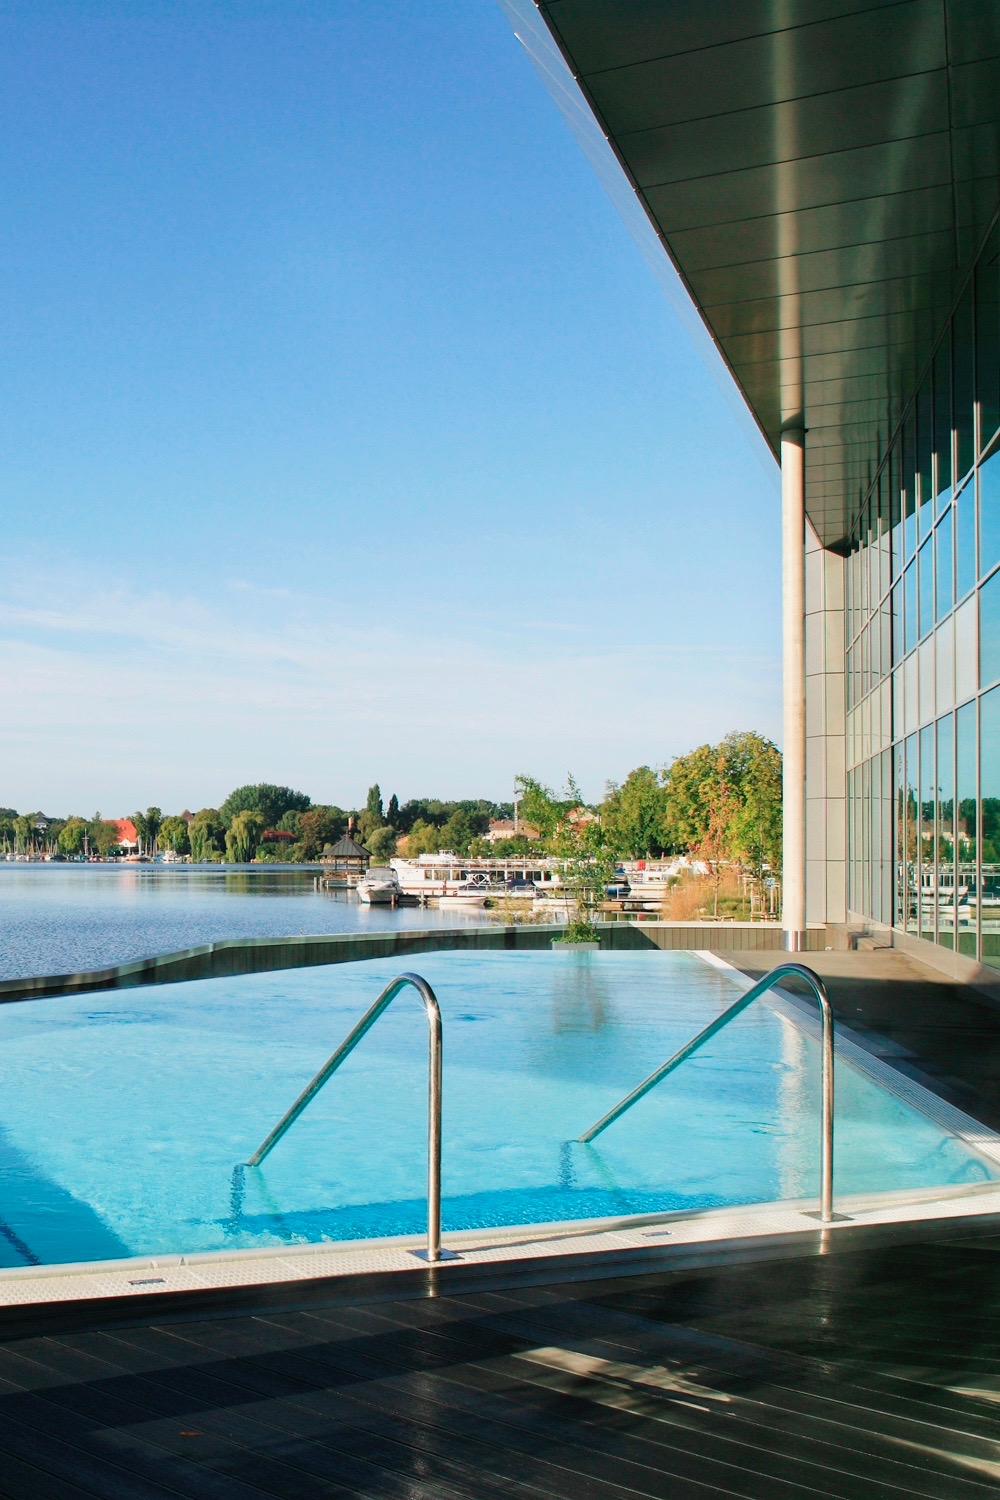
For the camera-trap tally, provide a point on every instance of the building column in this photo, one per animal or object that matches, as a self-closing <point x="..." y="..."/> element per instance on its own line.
<point x="793" y="593"/>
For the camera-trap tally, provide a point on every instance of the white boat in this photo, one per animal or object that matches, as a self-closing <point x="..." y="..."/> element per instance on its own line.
<point x="452" y="879"/>
<point x="379" y="887"/>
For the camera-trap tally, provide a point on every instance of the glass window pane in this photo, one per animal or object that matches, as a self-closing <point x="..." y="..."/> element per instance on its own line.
<point x="962" y="385"/>
<point x="899" y="820"/>
<point x="942" y="419"/>
<point x="928" y="794"/>
<point x="989" y="825"/>
<point x="945" y="871"/>
<point x="988" y="339"/>
<point x="989" y="512"/>
<point x="911" y="836"/>
<point x="897" y="622"/>
<point x="965" y="794"/>
<point x="943" y="567"/>
<point x="925" y="445"/>
<point x="965" y="541"/>
<point x="910" y="606"/>
<point x="989" y="631"/>
<point x="925" y="608"/>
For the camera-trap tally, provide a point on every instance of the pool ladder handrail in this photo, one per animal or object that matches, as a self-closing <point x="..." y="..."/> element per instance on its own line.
<point x="347" y="1046"/>
<point x="782" y="971"/>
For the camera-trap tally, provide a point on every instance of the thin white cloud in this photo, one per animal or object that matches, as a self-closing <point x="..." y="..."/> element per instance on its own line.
<point x="125" y="697"/>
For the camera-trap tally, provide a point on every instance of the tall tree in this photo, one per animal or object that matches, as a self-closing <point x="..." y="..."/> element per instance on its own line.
<point x="141" y="831"/>
<point x="373" y="804"/>
<point x="632" y="815"/>
<point x="154" y="818"/>
<point x="392" y="811"/>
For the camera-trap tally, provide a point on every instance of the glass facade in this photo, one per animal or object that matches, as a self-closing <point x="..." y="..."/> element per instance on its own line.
<point x="923" y="649"/>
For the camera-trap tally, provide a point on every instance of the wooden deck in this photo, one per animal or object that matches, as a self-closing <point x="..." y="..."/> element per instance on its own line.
<point x="872" y="1370"/>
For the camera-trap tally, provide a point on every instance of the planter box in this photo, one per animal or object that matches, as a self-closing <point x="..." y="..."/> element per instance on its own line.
<point x="576" y="947"/>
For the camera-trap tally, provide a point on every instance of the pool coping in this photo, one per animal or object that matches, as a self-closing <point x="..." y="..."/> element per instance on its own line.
<point x="681" y="1231"/>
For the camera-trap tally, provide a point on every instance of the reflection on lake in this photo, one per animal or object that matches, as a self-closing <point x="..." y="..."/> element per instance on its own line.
<point x="58" y="919"/>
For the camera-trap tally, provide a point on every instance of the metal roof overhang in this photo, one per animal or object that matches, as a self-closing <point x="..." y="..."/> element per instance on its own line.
<point x="821" y="173"/>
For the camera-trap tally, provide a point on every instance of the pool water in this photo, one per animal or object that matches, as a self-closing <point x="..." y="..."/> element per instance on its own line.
<point x="124" y="1116"/>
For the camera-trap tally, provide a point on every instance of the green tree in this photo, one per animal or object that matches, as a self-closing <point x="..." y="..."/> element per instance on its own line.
<point x="205" y="834"/>
<point x="632" y="815"/>
<point x="243" y="836"/>
<point x="392" y="811"/>
<point x="689" y="783"/>
<point x="382" y="844"/>
<point x="290" y="821"/>
<point x="174" y="835"/>
<point x="537" y="804"/>
<point x="71" y="836"/>
<point x="753" y="770"/>
<point x="7" y="835"/>
<point x="373" y="803"/>
<point x="154" y="818"/>
<point x="271" y="801"/>
<point x="24" y="834"/>
<point x="457" y="833"/>
<point x="141" y="830"/>
<point x="423" y="838"/>
<point x="319" y="827"/>
<point x="103" y="838"/>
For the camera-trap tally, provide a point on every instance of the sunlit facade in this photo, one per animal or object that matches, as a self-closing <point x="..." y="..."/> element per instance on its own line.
<point x="822" y="181"/>
<point x="923" y="649"/>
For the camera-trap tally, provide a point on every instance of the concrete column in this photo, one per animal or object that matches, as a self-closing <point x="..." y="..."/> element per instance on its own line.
<point x="793" y="592"/>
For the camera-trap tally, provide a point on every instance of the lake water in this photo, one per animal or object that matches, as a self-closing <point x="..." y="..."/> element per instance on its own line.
<point x="61" y="919"/>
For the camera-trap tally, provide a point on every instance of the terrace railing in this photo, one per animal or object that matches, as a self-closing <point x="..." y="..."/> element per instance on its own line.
<point x="347" y="1046"/>
<point x="783" y="971"/>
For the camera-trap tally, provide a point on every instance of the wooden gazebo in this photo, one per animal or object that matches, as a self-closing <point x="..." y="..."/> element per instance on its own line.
<point x="345" y="862"/>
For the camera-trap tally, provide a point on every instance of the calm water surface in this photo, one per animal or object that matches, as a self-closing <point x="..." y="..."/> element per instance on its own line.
<point x="59" y="919"/>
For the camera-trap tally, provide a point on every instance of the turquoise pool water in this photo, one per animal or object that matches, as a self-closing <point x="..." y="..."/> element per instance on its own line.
<point x="123" y="1116"/>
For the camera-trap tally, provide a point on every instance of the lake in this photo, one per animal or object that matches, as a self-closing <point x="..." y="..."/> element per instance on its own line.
<point x="61" y="919"/>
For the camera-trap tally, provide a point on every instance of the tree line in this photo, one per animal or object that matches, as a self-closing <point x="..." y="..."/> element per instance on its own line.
<point x="720" y="802"/>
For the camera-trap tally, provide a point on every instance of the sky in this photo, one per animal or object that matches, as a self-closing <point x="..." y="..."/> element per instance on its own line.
<point x="345" y="434"/>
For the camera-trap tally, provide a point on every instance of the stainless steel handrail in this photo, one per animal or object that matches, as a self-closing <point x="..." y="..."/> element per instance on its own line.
<point x="346" y="1047"/>
<point x="783" y="971"/>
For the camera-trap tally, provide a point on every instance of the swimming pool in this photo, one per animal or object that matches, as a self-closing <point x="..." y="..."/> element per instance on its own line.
<point x="124" y="1114"/>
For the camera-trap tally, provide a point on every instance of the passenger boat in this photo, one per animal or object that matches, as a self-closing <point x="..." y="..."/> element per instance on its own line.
<point x="379" y="887"/>
<point x="452" y="880"/>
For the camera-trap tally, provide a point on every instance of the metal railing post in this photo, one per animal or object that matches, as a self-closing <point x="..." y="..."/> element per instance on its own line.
<point x="434" y="1093"/>
<point x="783" y="971"/>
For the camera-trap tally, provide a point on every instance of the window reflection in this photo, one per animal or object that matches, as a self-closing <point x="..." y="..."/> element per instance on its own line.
<point x="910" y="607"/>
<point x="910" y="844"/>
<point x="943" y="567"/>
<point x="989" y="630"/>
<point x="989" y="513"/>
<point x="925" y="842"/>
<point x="925" y="606"/>
<point x="965" y="796"/>
<point x="965" y="541"/>
<point x="942" y="422"/>
<point x="962" y="372"/>
<point x="944" y="874"/>
<point x="989" y="826"/>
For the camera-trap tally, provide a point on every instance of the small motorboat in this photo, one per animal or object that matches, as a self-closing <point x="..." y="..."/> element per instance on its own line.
<point x="379" y="887"/>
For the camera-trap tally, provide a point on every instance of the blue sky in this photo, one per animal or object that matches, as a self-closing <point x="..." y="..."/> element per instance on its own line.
<point x="344" y="432"/>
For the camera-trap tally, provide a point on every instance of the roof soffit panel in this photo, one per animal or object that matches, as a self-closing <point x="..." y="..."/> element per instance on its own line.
<point x="820" y="186"/>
